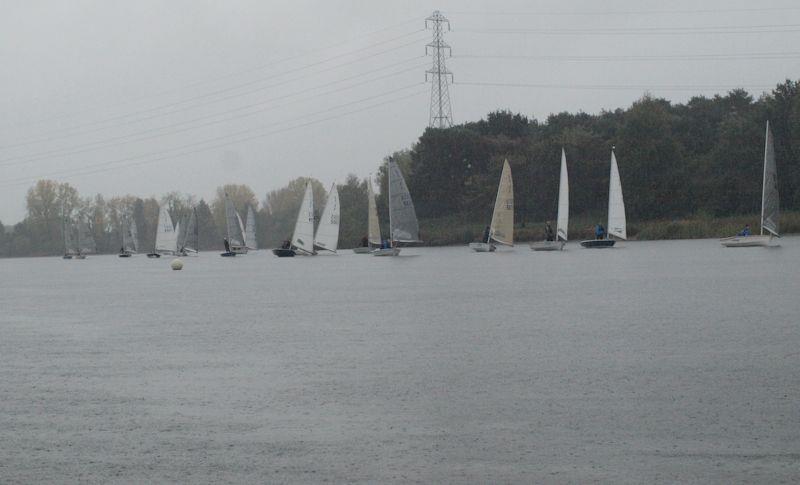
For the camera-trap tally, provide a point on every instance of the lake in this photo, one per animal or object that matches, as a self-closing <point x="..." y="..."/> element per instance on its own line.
<point x="652" y="362"/>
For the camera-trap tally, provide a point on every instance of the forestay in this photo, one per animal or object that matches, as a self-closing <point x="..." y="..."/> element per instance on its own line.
<point x="373" y="226"/>
<point x="403" y="224"/>
<point x="502" y="228"/>
<point x="166" y="235"/>
<point x="250" y="229"/>
<point x="328" y="231"/>
<point x="303" y="237"/>
<point x="233" y="224"/>
<point x="616" y="205"/>
<point x="769" y="196"/>
<point x="562" y="225"/>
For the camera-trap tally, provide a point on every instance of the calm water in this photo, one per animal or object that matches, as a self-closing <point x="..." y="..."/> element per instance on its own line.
<point x="658" y="361"/>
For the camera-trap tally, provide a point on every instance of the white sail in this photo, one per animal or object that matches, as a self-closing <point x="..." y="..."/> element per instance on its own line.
<point x="373" y="226"/>
<point x="166" y="235"/>
<point x="562" y="225"/>
<point x="502" y="228"/>
<point x="86" y="242"/>
<point x="233" y="225"/>
<point x="403" y="224"/>
<point x="130" y="241"/>
<point x="250" y="229"/>
<point x="70" y="246"/>
<point x="769" y="195"/>
<point x="303" y="237"/>
<point x="188" y="236"/>
<point x="616" y="205"/>
<point x="328" y="231"/>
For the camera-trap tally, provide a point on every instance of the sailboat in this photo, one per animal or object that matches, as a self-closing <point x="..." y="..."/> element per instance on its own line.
<point x="563" y="213"/>
<point x="70" y="248"/>
<point x="373" y="226"/>
<point x="234" y="242"/>
<point x="501" y="229"/>
<point x="302" y="242"/>
<point x="616" y="211"/>
<point x="166" y="235"/>
<point x="85" y="242"/>
<point x="403" y="224"/>
<point x="770" y="210"/>
<point x="250" y="230"/>
<point x="327" y="237"/>
<point x="130" y="244"/>
<point x="189" y="235"/>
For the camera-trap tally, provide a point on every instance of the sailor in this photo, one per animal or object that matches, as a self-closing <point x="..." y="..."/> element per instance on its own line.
<point x="227" y="245"/>
<point x="599" y="231"/>
<point x="746" y="231"/>
<point x="364" y="242"/>
<point x="486" y="234"/>
<point x="548" y="232"/>
<point x="286" y="244"/>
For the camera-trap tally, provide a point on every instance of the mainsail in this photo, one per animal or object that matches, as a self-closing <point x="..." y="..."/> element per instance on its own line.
<point x="373" y="226"/>
<point x="232" y="224"/>
<point x="562" y="225"/>
<point x="129" y="239"/>
<point x="769" y="196"/>
<point x="403" y="224"/>
<point x="616" y="205"/>
<point x="328" y="231"/>
<point x="70" y="246"/>
<point x="86" y="242"/>
<point x="166" y="235"/>
<point x="303" y="237"/>
<point x="188" y="236"/>
<point x="502" y="228"/>
<point x="250" y="229"/>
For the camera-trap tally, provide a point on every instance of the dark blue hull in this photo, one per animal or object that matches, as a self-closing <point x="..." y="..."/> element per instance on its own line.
<point x="598" y="243"/>
<point x="283" y="253"/>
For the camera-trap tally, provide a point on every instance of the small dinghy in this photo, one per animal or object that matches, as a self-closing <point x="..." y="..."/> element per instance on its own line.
<point x="769" y="204"/>
<point x="166" y="235"/>
<point x="501" y="229"/>
<point x="563" y="213"/>
<point x="189" y="236"/>
<point x="327" y="236"/>
<point x="234" y="242"/>
<point x="302" y="242"/>
<point x="616" y="211"/>
<point x="373" y="225"/>
<point x="130" y="243"/>
<point x="403" y="224"/>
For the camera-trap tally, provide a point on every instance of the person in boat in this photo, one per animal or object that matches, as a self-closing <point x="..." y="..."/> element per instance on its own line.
<point x="227" y="244"/>
<point x="122" y="250"/>
<point x="364" y="242"/>
<point x="286" y="244"/>
<point x="487" y="234"/>
<point x="746" y="231"/>
<point x="599" y="231"/>
<point x="549" y="235"/>
<point x="384" y="244"/>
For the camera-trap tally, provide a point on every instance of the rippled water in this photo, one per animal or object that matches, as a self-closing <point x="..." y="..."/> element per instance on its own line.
<point x="656" y="361"/>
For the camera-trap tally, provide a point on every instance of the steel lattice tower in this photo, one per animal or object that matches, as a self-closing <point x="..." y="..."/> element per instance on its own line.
<point x="441" y="112"/>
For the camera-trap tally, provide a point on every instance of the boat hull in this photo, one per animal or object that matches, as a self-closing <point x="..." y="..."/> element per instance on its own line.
<point x="228" y="254"/>
<point x="125" y="255"/>
<point x="746" y="241"/>
<point x="153" y="255"/>
<point x="386" y="252"/>
<point x="481" y="247"/>
<point x="548" y="245"/>
<point x="66" y="256"/>
<point x="80" y="256"/>
<point x="362" y="250"/>
<point x="598" y="243"/>
<point x="283" y="253"/>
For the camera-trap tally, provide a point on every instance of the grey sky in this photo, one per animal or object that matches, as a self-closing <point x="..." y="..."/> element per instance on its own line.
<point x="107" y="95"/>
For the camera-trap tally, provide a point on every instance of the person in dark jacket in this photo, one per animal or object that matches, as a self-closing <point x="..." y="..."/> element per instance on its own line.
<point x="286" y="244"/>
<point x="364" y="242"/>
<point x="599" y="231"/>
<point x="746" y="231"/>
<point x="227" y="245"/>
<point x="549" y="235"/>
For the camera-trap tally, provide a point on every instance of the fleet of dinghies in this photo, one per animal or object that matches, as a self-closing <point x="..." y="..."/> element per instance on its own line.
<point x="183" y="239"/>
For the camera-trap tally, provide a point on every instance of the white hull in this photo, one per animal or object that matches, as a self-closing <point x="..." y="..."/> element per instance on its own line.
<point x="548" y="245"/>
<point x="746" y="241"/>
<point x="362" y="250"/>
<point x="386" y="252"/>
<point x="481" y="247"/>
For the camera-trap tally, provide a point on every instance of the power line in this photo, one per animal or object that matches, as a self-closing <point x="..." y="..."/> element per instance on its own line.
<point x="106" y="166"/>
<point x="613" y="87"/>
<point x="731" y="29"/>
<point x="626" y="58"/>
<point x="608" y="13"/>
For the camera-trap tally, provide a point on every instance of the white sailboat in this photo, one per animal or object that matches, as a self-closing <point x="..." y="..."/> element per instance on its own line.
<point x="327" y="237"/>
<point x="166" y="235"/>
<point x="70" y="246"/>
<point x="189" y="236"/>
<point x="130" y="240"/>
<point x="373" y="225"/>
<point x="234" y="242"/>
<point x="250" y="230"/>
<point x="562" y="224"/>
<point x="302" y="242"/>
<point x="501" y="229"/>
<point x="616" y="211"/>
<point x="770" y="210"/>
<point x="403" y="224"/>
<point x="85" y="242"/>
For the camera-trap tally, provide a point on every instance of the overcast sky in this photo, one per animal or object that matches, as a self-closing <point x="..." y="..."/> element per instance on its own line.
<point x="144" y="96"/>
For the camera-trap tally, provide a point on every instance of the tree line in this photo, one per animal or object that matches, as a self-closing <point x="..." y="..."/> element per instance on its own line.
<point x="677" y="160"/>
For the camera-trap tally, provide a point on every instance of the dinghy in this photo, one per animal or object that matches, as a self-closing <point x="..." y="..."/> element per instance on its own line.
<point x="373" y="226"/>
<point x="85" y="243"/>
<point x="501" y="229"/>
<point x="769" y="204"/>
<point x="302" y="242"/>
<point x="250" y="230"/>
<point x="70" y="247"/>
<point x="327" y="237"/>
<point x="403" y="224"/>
<point x="234" y="242"/>
<point x="130" y="244"/>
<point x="189" y="236"/>
<point x="563" y="213"/>
<point x="616" y="211"/>
<point x="166" y="235"/>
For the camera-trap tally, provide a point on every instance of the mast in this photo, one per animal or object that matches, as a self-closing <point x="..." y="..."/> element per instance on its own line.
<point x="764" y="178"/>
<point x="389" y="200"/>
